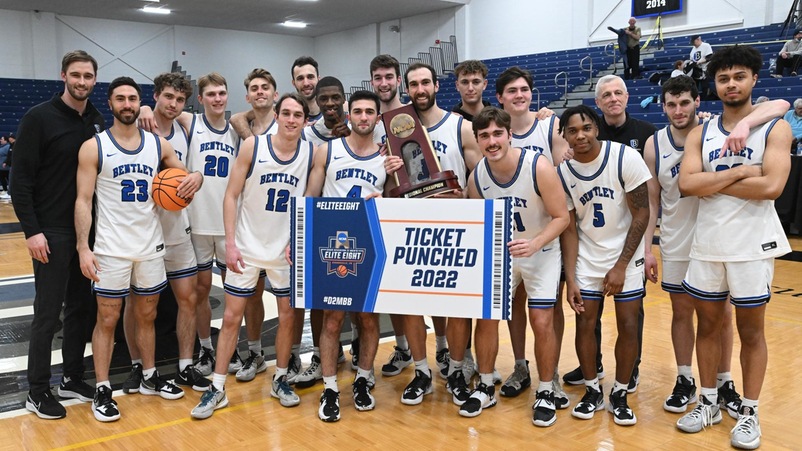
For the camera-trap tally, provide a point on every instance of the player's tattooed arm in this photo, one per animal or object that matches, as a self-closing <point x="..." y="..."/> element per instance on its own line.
<point x="638" y="203"/>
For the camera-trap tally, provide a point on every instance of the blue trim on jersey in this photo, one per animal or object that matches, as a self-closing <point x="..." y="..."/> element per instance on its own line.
<point x="487" y="289"/>
<point x="99" y="154"/>
<point x="671" y="140"/>
<point x="357" y="157"/>
<point x="588" y="295"/>
<point x="372" y="293"/>
<point x="123" y="149"/>
<point x="672" y="288"/>
<point x="541" y="303"/>
<point x="621" y="168"/>
<point x="312" y="119"/>
<point x="476" y="180"/>
<point x="768" y="129"/>
<point x="752" y="301"/>
<point x="459" y="136"/>
<point x="656" y="154"/>
<point x="328" y="157"/>
<point x="705" y="295"/>
<point x="181" y="273"/>
<point x="598" y="172"/>
<point x="325" y="139"/>
<point x="253" y="156"/>
<point x="534" y="173"/>
<point x="629" y="296"/>
<point x="149" y="291"/>
<point x="191" y="128"/>
<point x="529" y="132"/>
<point x="551" y="131"/>
<point x="270" y="126"/>
<point x="212" y="129"/>
<point x="111" y="293"/>
<point x="441" y="122"/>
<point x="311" y="158"/>
<point x="704" y="132"/>
<point x="721" y="127"/>
<point x="158" y="146"/>
<point x="239" y="292"/>
<point x="562" y="180"/>
<point x="514" y="176"/>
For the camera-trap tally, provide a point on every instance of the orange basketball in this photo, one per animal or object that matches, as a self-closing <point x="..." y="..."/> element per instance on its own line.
<point x="165" y="185"/>
<point x="342" y="270"/>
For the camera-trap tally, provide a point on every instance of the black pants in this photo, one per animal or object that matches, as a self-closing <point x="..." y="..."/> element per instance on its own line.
<point x="791" y="62"/>
<point x="59" y="282"/>
<point x="633" y="62"/>
<point x="597" y="331"/>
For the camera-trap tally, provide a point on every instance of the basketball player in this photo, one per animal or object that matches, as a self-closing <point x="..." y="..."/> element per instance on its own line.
<point x="385" y="76"/>
<point x="349" y="167"/>
<point x="529" y="180"/>
<point x="608" y="203"/>
<point x="171" y="91"/>
<point x="736" y="189"/>
<point x="471" y="83"/>
<point x="269" y="170"/>
<point x="530" y="131"/>
<point x="305" y="77"/>
<point x="45" y="163"/>
<point x="458" y="151"/>
<point x="116" y="167"/>
<point x="261" y="94"/>
<point x="663" y="155"/>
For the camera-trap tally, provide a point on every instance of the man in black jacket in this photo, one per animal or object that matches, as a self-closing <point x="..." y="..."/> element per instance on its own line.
<point x="45" y="165"/>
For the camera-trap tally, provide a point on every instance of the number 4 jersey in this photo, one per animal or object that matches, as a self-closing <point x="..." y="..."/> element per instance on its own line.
<point x="349" y="175"/>
<point x="212" y="152"/>
<point x="127" y="225"/>
<point x="597" y="191"/>
<point x="263" y="223"/>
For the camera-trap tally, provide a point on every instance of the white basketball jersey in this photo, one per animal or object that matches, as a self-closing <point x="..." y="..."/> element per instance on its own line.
<point x="538" y="138"/>
<point x="730" y="229"/>
<point x="597" y="191"/>
<point x="126" y="225"/>
<point x="529" y="213"/>
<point x="272" y="129"/>
<point x="212" y="152"/>
<point x="679" y="213"/>
<point x="447" y="143"/>
<point x="349" y="175"/>
<point x="175" y="224"/>
<point x="318" y="133"/>
<point x="263" y="223"/>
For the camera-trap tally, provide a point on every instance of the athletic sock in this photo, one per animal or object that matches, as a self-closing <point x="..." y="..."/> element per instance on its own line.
<point x="401" y="342"/>
<point x="685" y="371"/>
<point x="593" y="383"/>
<point x="280" y="372"/>
<point x="206" y="343"/>
<point x="486" y="378"/>
<point x="255" y="346"/>
<point x="362" y="373"/>
<point x="617" y="386"/>
<point x="746" y="402"/>
<point x="521" y="362"/>
<point x="711" y="394"/>
<point x="440" y="342"/>
<point x="219" y="381"/>
<point x="148" y="373"/>
<point x="545" y="386"/>
<point x="454" y="366"/>
<point x="136" y="361"/>
<point x="183" y="364"/>
<point x="106" y="384"/>
<point x="330" y="382"/>
<point x="422" y="365"/>
<point x="723" y="378"/>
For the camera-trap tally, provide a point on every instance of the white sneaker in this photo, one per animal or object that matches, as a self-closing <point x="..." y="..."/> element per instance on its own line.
<point x="746" y="433"/>
<point x="284" y="393"/>
<point x="704" y="415"/>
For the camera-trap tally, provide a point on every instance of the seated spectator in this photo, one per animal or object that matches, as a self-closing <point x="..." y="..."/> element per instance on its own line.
<point x="5" y="147"/>
<point x="761" y="99"/>
<point x="794" y="117"/>
<point x="678" y="68"/>
<point x="790" y="56"/>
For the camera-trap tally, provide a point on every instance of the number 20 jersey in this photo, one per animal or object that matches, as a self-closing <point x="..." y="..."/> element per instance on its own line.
<point x="212" y="152"/>
<point x="597" y="191"/>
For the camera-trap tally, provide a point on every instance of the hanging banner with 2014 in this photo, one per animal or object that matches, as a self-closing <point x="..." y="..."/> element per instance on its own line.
<point x="441" y="257"/>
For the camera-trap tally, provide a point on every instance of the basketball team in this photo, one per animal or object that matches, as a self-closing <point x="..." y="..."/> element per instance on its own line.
<point x="586" y="207"/>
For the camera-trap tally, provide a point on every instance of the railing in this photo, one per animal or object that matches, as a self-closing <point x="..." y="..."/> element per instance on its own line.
<point x="564" y="85"/>
<point x="450" y="56"/>
<point x="438" y="62"/>
<point x="609" y="49"/>
<point x="590" y="69"/>
<point x="537" y="105"/>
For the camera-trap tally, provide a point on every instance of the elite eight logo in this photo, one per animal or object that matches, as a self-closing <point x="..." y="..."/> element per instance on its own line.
<point x="342" y="256"/>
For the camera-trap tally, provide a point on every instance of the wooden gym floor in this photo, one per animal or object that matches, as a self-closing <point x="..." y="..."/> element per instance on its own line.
<point x="256" y="420"/>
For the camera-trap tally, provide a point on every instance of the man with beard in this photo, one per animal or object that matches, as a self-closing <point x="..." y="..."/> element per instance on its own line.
<point x="45" y="163"/>
<point x="457" y="150"/>
<point x="736" y="190"/>
<point x="305" y="77"/>
<point x="471" y="83"/>
<point x="349" y="167"/>
<point x="663" y="154"/>
<point x="171" y="91"/>
<point x="116" y="167"/>
<point x="270" y="169"/>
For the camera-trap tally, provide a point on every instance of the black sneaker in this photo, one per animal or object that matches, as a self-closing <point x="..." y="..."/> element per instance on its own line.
<point x="355" y="354"/>
<point x="632" y="387"/>
<point x="545" y="411"/>
<point x="363" y="400"/>
<point x="575" y="377"/>
<point x="329" y="410"/>
<point x="729" y="399"/>
<point x="105" y="408"/>
<point x="458" y="388"/>
<point x="443" y="358"/>
<point x="684" y="393"/>
<point x="622" y="414"/>
<point x="131" y="385"/>
<point x="517" y="382"/>
<point x="399" y="359"/>
<point x="191" y="377"/>
<point x="75" y="389"/>
<point x="45" y="406"/>
<point x="481" y="398"/>
<point x="589" y="404"/>
<point x="158" y="386"/>
<point x="420" y="386"/>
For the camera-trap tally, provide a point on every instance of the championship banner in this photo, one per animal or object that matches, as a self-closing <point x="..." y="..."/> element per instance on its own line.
<point x="441" y="257"/>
